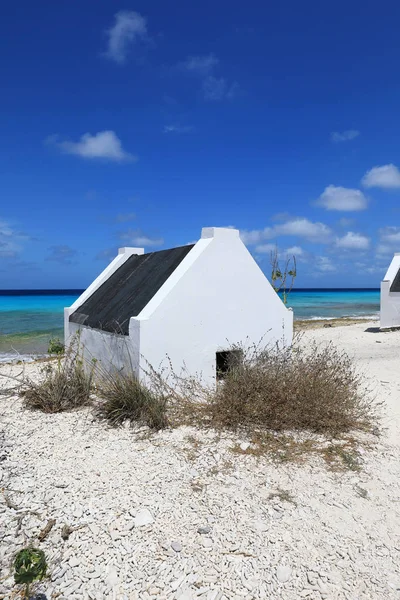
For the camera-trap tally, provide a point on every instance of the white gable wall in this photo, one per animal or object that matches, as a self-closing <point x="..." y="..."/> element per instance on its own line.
<point x="390" y="301"/>
<point x="218" y="296"/>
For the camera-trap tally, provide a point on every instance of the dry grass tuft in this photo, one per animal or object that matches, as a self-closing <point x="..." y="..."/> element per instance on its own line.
<point x="125" y="398"/>
<point x="282" y="496"/>
<point x="64" y="386"/>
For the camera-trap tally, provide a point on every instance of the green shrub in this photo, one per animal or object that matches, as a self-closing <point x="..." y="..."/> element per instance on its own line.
<point x="29" y="565"/>
<point x="56" y="346"/>
<point x="124" y="398"/>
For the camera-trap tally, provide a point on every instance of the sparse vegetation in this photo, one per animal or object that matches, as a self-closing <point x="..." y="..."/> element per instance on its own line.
<point x="315" y="388"/>
<point x="340" y="456"/>
<point x="65" y="385"/>
<point x="362" y="492"/>
<point x="283" y="496"/>
<point x="125" y="398"/>
<point x="30" y="565"/>
<point x="268" y="395"/>
<point x="280" y="277"/>
<point x="56" y="346"/>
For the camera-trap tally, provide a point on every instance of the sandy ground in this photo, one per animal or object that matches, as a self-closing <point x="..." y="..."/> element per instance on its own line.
<point x="179" y="516"/>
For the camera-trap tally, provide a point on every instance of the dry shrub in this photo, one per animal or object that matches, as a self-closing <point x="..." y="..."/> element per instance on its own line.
<point x="125" y="398"/>
<point x="312" y="388"/>
<point x="65" y="385"/>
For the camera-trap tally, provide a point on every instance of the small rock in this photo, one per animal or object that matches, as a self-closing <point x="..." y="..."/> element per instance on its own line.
<point x="112" y="578"/>
<point x="283" y="573"/>
<point x="260" y="526"/>
<point x="165" y="545"/>
<point x="204" y="530"/>
<point x="143" y="517"/>
<point x="312" y="578"/>
<point x="207" y="542"/>
<point x="95" y="529"/>
<point x="153" y="590"/>
<point x="176" y="546"/>
<point x="184" y="595"/>
<point x="78" y="512"/>
<point x="244" y="446"/>
<point x="93" y="574"/>
<point x="98" y="550"/>
<point x="74" y="561"/>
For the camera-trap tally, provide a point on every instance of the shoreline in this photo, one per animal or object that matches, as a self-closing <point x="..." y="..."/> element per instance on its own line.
<point x="34" y="347"/>
<point x="306" y="324"/>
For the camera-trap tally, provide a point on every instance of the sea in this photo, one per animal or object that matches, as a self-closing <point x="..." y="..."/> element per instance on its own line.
<point x="30" y="318"/>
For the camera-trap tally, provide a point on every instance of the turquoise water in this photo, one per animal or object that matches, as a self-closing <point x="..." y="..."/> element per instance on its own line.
<point x="334" y="304"/>
<point x="28" y="319"/>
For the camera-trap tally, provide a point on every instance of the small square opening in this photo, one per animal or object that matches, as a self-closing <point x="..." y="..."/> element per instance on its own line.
<point x="226" y="360"/>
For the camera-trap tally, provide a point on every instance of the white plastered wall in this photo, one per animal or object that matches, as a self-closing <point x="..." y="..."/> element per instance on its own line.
<point x="218" y="296"/>
<point x="390" y="301"/>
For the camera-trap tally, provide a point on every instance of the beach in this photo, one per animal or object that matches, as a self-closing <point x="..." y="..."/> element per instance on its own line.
<point x="176" y="515"/>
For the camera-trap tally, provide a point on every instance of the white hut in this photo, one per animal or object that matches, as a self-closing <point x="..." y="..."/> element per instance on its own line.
<point x="390" y="295"/>
<point x="190" y="304"/>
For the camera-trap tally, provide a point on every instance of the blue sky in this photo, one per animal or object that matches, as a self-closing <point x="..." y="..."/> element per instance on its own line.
<point x="139" y="123"/>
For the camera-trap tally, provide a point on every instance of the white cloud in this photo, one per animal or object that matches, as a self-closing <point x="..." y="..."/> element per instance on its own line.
<point x="265" y="248"/>
<point x="200" y="64"/>
<point x="384" y="250"/>
<point x="345" y="222"/>
<point x="213" y="88"/>
<point x="296" y="251"/>
<point x="340" y="198"/>
<point x="353" y="241"/>
<point x="298" y="227"/>
<point x="63" y="254"/>
<point x="178" y="128"/>
<point x="387" y="177"/>
<point x="5" y="230"/>
<point x="324" y="264"/>
<point x="390" y="235"/>
<point x="128" y="29"/>
<point x="216" y="89"/>
<point x="344" y="136"/>
<point x="143" y="240"/>
<point x="389" y="241"/>
<point x="102" y="145"/>
<point x="302" y="227"/>
<point x="255" y="236"/>
<point x="125" y="217"/>
<point x="10" y="240"/>
<point x="138" y="239"/>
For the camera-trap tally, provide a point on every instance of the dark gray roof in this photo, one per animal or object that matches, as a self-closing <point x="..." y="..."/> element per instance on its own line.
<point x="395" y="287"/>
<point x="127" y="291"/>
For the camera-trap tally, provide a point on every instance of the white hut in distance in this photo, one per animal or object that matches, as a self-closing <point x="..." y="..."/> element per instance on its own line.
<point x="390" y="295"/>
<point x="190" y="304"/>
